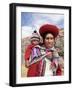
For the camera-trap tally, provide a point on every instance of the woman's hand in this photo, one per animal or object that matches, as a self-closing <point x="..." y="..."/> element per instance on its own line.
<point x="49" y="55"/>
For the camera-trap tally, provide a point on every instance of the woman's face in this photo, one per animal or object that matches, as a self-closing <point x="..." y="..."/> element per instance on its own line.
<point x="49" y="40"/>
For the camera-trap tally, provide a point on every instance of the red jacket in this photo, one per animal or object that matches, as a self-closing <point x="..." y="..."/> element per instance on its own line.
<point x="34" y="69"/>
<point x="28" y="52"/>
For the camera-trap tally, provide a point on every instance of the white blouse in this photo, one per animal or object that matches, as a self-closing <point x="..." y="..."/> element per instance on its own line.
<point x="48" y="71"/>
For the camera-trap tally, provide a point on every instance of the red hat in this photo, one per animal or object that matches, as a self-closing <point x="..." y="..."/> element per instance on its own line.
<point x="48" y="28"/>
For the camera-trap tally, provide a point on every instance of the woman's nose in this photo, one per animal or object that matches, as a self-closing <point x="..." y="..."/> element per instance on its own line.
<point x="49" y="40"/>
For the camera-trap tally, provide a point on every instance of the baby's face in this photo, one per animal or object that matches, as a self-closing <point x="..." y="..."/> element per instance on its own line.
<point x="35" y="42"/>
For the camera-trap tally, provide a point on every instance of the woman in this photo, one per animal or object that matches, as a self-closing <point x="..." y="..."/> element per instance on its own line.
<point x="49" y="33"/>
<point x="48" y="62"/>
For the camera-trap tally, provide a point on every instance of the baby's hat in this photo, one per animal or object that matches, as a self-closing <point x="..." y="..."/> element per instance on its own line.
<point x="35" y="36"/>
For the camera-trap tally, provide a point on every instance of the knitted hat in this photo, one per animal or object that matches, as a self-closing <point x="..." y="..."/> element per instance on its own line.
<point x="47" y="28"/>
<point x="35" y="36"/>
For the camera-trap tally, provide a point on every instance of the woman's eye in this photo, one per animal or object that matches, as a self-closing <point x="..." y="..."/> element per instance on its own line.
<point x="49" y="38"/>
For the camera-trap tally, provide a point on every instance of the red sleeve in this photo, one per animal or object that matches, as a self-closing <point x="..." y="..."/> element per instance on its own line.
<point x="28" y="52"/>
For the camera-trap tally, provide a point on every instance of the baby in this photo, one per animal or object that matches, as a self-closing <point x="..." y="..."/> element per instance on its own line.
<point x="31" y="49"/>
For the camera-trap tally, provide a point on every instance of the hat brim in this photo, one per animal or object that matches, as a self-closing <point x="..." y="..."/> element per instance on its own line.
<point x="34" y="38"/>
